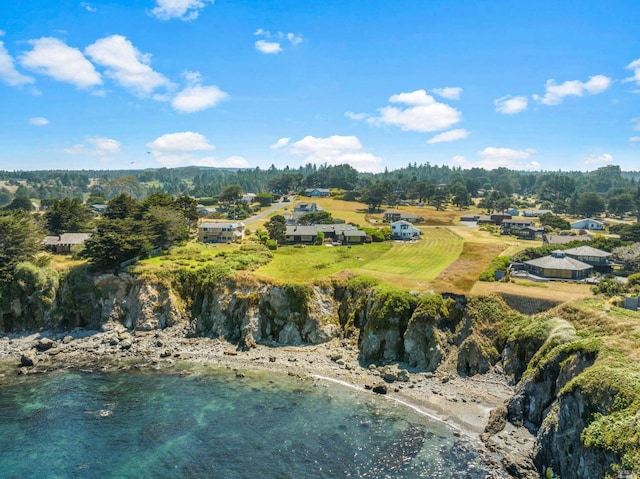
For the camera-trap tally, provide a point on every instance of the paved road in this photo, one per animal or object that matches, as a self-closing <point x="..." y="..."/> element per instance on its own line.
<point x="263" y="214"/>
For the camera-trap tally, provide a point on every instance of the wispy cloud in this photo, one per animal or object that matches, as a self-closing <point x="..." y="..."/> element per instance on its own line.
<point x="182" y="9"/>
<point x="88" y="7"/>
<point x="510" y="105"/>
<point x="8" y="71"/>
<point x="448" y="136"/>
<point x="38" y="121"/>
<point x="96" y="146"/>
<point x="634" y="139"/>
<point x="126" y="65"/>
<point x="355" y="116"/>
<point x="449" y="92"/>
<point x="281" y="143"/>
<point x="634" y="66"/>
<point x="421" y="113"/>
<point x="554" y="94"/>
<point x="52" y="57"/>
<point x="335" y="150"/>
<point x="272" y="43"/>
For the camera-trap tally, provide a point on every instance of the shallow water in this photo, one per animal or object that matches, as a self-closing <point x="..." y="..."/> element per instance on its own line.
<point x="150" y="424"/>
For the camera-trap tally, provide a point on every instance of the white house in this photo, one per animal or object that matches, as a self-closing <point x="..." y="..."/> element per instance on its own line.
<point x="404" y="230"/>
<point x="211" y="232"/>
<point x="587" y="224"/>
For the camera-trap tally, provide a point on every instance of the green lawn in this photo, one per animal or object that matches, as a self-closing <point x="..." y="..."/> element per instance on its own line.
<point x="410" y="265"/>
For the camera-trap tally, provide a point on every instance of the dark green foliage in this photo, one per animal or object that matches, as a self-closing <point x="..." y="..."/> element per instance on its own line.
<point x="21" y="202"/>
<point x="391" y="306"/>
<point x="501" y="263"/>
<point x="316" y="218"/>
<point x="20" y="240"/>
<point x="121" y="207"/>
<point x="265" y="199"/>
<point x="376" y="235"/>
<point x="68" y="215"/>
<point x="627" y="232"/>
<point x="277" y="228"/>
<point x="554" y="222"/>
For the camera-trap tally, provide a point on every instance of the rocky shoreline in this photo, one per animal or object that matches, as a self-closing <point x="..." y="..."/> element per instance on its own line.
<point x="472" y="406"/>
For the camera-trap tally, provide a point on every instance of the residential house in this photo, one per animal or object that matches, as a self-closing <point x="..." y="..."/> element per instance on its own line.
<point x="98" y="209"/>
<point x="564" y="239"/>
<point x="470" y="218"/>
<point x="558" y="265"/>
<point x="248" y="198"/>
<point x="336" y="233"/>
<point x="511" y="226"/>
<point x="395" y="215"/>
<point x="535" y="213"/>
<point x="317" y="192"/>
<point x="587" y="224"/>
<point x="305" y="208"/>
<point x="212" y="232"/>
<point x="595" y="257"/>
<point x="494" y="219"/>
<point x="513" y="212"/>
<point x="205" y="210"/>
<point x="403" y="230"/>
<point x="66" y="241"/>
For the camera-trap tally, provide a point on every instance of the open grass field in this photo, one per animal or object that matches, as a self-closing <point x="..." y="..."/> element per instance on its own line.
<point x="191" y="255"/>
<point x="552" y="291"/>
<point x="402" y="264"/>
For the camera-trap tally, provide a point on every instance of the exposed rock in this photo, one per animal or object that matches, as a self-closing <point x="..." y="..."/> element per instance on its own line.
<point x="380" y="389"/>
<point x="497" y="420"/>
<point x="29" y="358"/>
<point x="473" y="358"/>
<point x="44" y="344"/>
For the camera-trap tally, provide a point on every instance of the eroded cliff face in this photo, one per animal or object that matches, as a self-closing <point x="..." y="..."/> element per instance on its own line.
<point x="423" y="332"/>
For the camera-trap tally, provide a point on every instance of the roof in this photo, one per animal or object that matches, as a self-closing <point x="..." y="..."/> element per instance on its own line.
<point x="67" y="239"/>
<point x="587" y="251"/>
<point x="564" y="239"/>
<point x="587" y="219"/>
<point x="213" y="224"/>
<point x="312" y="230"/>
<point x="401" y="222"/>
<point x="517" y="222"/>
<point x="559" y="262"/>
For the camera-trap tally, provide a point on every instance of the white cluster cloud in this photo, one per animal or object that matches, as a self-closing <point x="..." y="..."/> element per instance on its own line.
<point x="182" y="9"/>
<point x="197" y="97"/>
<point x="38" y="121"/>
<point x="510" y="105"/>
<point x="634" y="139"/>
<point x="8" y="72"/>
<point x="95" y="146"/>
<point x="602" y="159"/>
<point x="634" y="66"/>
<point x="421" y="113"/>
<point x="492" y="158"/>
<point x="332" y="150"/>
<point x="123" y="63"/>
<point x="272" y="43"/>
<point x="182" y="148"/>
<point x="554" y="93"/>
<point x="126" y="65"/>
<point x="449" y="92"/>
<point x="448" y="136"/>
<point x="54" y="58"/>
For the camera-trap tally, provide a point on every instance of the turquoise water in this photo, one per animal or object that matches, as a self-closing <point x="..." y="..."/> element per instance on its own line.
<point x="149" y="424"/>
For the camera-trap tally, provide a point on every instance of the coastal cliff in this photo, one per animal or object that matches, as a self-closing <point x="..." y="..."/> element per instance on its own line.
<point x="545" y="357"/>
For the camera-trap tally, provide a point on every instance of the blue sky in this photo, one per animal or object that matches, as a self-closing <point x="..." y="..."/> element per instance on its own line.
<point x="544" y="85"/>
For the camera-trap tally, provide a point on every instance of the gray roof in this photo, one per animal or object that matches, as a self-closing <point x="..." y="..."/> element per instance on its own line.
<point x="67" y="239"/>
<point x="213" y="224"/>
<point x="312" y="230"/>
<point x="587" y="251"/>
<point x="559" y="262"/>
<point x="564" y="239"/>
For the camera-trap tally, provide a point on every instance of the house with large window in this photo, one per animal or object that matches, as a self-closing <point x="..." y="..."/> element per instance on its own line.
<point x="403" y="230"/>
<point x="335" y="233"/>
<point x="558" y="265"/>
<point x="213" y="232"/>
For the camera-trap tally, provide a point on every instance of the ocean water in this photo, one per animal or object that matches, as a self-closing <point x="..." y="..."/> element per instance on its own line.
<point x="151" y="424"/>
